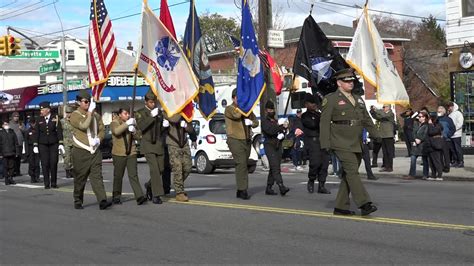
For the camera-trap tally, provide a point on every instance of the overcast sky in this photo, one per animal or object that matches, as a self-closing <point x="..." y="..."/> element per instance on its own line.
<point x="74" y="13"/>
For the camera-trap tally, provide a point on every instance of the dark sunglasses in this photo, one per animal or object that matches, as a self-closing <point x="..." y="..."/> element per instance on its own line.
<point x="85" y="101"/>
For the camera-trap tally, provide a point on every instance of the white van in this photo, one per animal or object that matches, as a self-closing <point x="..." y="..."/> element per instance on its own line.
<point x="212" y="151"/>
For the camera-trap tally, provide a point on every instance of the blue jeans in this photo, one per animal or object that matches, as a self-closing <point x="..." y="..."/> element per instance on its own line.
<point x="413" y="165"/>
<point x="296" y="156"/>
<point x="336" y="164"/>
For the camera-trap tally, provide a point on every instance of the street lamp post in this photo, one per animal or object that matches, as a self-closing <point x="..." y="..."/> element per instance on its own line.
<point x="63" y="61"/>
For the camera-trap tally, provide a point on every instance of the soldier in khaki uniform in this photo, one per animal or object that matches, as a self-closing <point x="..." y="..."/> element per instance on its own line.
<point x="123" y="128"/>
<point x="179" y="151"/>
<point x="239" y="140"/>
<point x="88" y="132"/>
<point x="343" y="117"/>
<point x="67" y="141"/>
<point x="149" y="122"/>
<point x="386" y="118"/>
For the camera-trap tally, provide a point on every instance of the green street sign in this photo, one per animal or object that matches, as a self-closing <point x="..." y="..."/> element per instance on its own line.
<point x="36" y="54"/>
<point x="47" y="68"/>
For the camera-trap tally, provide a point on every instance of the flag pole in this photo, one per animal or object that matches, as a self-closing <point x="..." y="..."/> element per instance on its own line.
<point x="134" y="94"/>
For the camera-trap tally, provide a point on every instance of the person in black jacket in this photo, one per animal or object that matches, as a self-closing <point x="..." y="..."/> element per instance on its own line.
<point x="318" y="158"/>
<point x="48" y="142"/>
<point x="273" y="133"/>
<point x="9" y="151"/>
<point x="434" y="148"/>
<point x="408" y="122"/>
<point x="33" y="158"/>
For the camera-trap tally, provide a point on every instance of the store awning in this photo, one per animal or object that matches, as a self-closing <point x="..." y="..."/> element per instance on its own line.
<point x="109" y="94"/>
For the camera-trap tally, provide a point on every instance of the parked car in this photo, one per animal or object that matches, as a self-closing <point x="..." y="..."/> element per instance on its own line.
<point x="212" y="151"/>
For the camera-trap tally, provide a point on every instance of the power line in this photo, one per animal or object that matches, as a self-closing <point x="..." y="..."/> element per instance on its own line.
<point x="379" y="11"/>
<point x="31" y="10"/>
<point x="114" y="19"/>
<point x="9" y="4"/>
<point x="19" y="8"/>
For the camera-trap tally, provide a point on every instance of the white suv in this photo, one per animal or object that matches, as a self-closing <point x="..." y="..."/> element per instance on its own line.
<point x="212" y="151"/>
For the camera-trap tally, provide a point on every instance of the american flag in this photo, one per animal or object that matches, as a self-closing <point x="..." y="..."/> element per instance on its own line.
<point x="102" y="50"/>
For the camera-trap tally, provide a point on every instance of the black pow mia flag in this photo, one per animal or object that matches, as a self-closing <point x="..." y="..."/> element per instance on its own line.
<point x="317" y="60"/>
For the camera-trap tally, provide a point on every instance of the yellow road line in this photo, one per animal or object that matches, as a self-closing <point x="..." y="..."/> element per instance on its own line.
<point x="304" y="212"/>
<point x="327" y="215"/>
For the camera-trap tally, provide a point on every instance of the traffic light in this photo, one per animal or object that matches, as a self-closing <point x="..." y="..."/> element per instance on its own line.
<point x="13" y="45"/>
<point x="3" y="46"/>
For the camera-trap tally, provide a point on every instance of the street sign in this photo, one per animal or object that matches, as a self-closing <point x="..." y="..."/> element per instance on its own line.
<point x="276" y="39"/>
<point x="47" y="68"/>
<point x="37" y="54"/>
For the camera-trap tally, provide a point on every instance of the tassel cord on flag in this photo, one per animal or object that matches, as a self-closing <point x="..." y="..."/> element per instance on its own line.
<point x="132" y="111"/>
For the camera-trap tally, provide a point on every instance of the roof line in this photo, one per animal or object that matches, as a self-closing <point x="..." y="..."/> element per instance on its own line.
<point x="422" y="80"/>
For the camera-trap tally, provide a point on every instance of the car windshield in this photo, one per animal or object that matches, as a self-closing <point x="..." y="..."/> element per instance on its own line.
<point x="217" y="126"/>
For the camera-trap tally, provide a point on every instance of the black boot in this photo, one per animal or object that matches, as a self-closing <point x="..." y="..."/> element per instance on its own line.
<point x="11" y="181"/>
<point x="310" y="186"/>
<point x="243" y="194"/>
<point x="269" y="190"/>
<point x="372" y="177"/>
<point x="157" y="200"/>
<point x="141" y="200"/>
<point x="367" y="209"/>
<point x="322" y="189"/>
<point x="283" y="189"/>
<point x="104" y="204"/>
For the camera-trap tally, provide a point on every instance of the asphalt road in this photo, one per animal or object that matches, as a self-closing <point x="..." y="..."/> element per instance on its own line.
<point x="417" y="222"/>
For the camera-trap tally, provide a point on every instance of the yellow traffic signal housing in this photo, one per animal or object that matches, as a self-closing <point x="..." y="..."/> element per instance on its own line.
<point x="3" y="46"/>
<point x="13" y="45"/>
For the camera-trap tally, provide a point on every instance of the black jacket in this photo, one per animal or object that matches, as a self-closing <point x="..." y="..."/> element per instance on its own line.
<point x="310" y="120"/>
<point x="8" y="143"/>
<point x="270" y="130"/>
<point x="50" y="133"/>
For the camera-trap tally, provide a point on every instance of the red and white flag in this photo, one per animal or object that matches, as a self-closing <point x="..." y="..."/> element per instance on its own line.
<point x="102" y="50"/>
<point x="163" y="64"/>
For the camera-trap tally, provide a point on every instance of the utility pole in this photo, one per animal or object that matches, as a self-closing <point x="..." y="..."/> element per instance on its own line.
<point x="264" y="24"/>
<point x="63" y="62"/>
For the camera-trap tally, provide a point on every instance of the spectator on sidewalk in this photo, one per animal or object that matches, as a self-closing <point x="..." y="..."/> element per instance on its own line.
<point x="420" y="136"/>
<point x="408" y="122"/>
<point x="9" y="151"/>
<point x="17" y="127"/>
<point x="434" y="147"/>
<point x="387" y="122"/>
<point x="456" y="148"/>
<point x="448" y="131"/>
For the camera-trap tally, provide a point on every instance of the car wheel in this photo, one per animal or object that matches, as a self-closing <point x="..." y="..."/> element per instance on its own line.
<point x="252" y="168"/>
<point x="203" y="165"/>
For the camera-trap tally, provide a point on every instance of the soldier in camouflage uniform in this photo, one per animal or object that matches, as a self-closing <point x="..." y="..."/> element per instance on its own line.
<point x="179" y="151"/>
<point x="67" y="140"/>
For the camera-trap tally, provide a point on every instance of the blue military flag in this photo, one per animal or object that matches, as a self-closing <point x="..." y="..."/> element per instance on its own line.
<point x="196" y="53"/>
<point x="250" y="80"/>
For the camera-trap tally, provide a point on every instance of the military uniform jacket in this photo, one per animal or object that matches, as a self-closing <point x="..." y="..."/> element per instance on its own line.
<point x="386" y="120"/>
<point x="121" y="138"/>
<point x="342" y="123"/>
<point x="270" y="130"/>
<point x="176" y="134"/>
<point x="8" y="143"/>
<point x="29" y="140"/>
<point x="235" y="123"/>
<point x="310" y="121"/>
<point x="151" y="130"/>
<point x="48" y="133"/>
<point x="84" y="124"/>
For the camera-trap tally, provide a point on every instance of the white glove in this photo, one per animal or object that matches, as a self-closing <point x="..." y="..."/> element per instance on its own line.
<point x="248" y="122"/>
<point x="183" y="123"/>
<point x="154" y="112"/>
<point x="131" y="121"/>
<point x="61" y="149"/>
<point x="92" y="106"/>
<point x="131" y="128"/>
<point x="281" y="136"/>
<point x="166" y="123"/>
<point x="281" y="121"/>
<point x="35" y="150"/>
<point x="95" y="141"/>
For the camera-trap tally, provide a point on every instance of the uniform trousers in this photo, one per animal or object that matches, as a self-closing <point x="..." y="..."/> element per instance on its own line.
<point x="240" y="150"/>
<point x="130" y="163"/>
<point x="318" y="160"/>
<point x="350" y="182"/>
<point x="166" y="175"/>
<point x="87" y="165"/>
<point x="49" y="163"/>
<point x="156" y="165"/>
<point x="181" y="164"/>
<point x="388" y="150"/>
<point x="274" y="154"/>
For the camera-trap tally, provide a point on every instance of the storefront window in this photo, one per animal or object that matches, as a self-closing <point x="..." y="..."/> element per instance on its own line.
<point x="462" y="89"/>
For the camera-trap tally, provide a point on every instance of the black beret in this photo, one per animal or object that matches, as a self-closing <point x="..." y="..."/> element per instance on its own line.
<point x="150" y="95"/>
<point x="269" y="105"/>
<point x="44" y="105"/>
<point x="309" y="98"/>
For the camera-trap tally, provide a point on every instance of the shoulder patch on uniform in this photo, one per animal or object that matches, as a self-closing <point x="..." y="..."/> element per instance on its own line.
<point x="138" y="115"/>
<point x="325" y="101"/>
